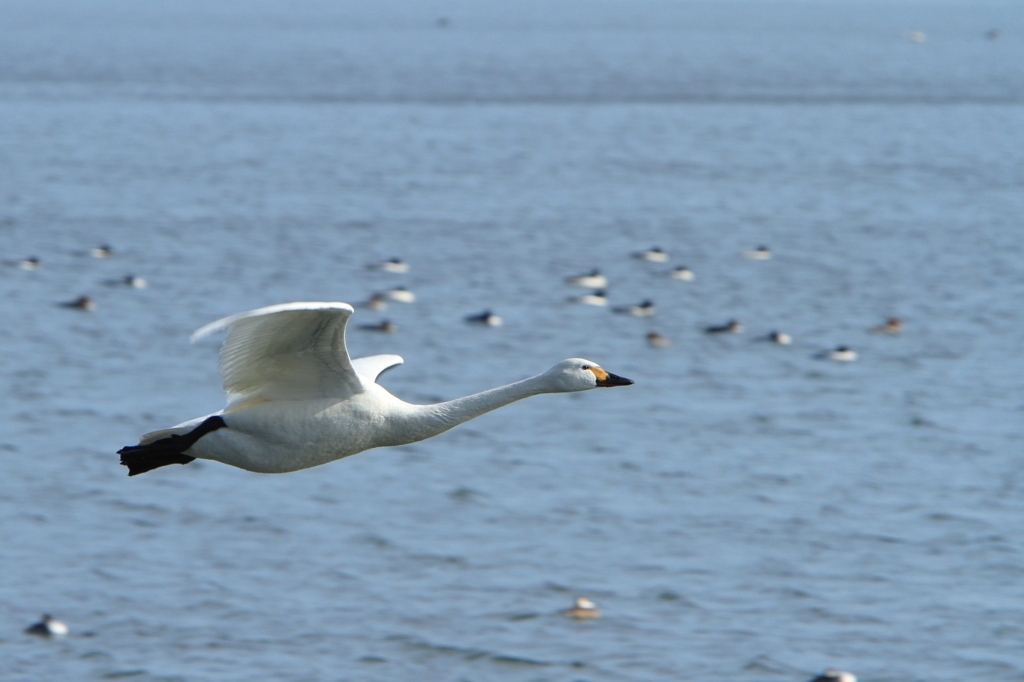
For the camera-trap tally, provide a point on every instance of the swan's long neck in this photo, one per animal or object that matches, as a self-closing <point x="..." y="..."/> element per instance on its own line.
<point x="438" y="418"/>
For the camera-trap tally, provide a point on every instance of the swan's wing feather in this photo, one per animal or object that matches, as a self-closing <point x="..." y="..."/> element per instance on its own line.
<point x="179" y="430"/>
<point x="292" y="351"/>
<point x="370" y="368"/>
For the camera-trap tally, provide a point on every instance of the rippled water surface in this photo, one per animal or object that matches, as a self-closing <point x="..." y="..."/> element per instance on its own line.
<point x="744" y="512"/>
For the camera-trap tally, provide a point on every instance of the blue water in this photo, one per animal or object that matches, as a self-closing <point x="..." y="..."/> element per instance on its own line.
<point x="744" y="512"/>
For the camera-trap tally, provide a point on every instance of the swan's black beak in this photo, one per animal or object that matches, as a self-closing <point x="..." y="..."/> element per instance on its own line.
<point x="614" y="380"/>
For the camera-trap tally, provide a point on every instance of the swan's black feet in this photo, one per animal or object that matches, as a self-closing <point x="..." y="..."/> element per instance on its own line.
<point x="142" y="458"/>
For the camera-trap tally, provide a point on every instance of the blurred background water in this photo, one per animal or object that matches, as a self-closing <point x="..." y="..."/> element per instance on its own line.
<point x="744" y="512"/>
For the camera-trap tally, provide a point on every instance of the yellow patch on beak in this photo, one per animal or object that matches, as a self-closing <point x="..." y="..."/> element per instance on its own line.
<point x="599" y="373"/>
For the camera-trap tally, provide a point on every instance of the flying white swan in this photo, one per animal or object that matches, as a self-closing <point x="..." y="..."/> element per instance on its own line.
<point x="296" y="400"/>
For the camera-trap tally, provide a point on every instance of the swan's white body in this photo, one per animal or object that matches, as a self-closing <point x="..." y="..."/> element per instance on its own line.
<point x="296" y="400"/>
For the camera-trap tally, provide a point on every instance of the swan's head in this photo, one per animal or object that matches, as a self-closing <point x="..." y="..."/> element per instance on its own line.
<point x="577" y="374"/>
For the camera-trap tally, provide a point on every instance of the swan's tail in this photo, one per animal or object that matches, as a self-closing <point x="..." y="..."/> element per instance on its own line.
<point x="170" y="450"/>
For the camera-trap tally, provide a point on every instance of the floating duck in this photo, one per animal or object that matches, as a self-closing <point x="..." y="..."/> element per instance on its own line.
<point x="833" y="675"/>
<point x="730" y="327"/>
<point x="395" y="265"/>
<point x="81" y="303"/>
<point x="760" y="253"/>
<point x="103" y="251"/>
<point x="593" y="279"/>
<point x="655" y="255"/>
<point x="297" y="400"/>
<point x="134" y="282"/>
<point x="682" y="272"/>
<point x="780" y="338"/>
<point x="385" y="326"/>
<point x="400" y="294"/>
<point x="376" y="302"/>
<point x="842" y="354"/>
<point x="891" y="326"/>
<point x="598" y="298"/>
<point x="486" y="317"/>
<point x="32" y="263"/>
<point x="656" y="340"/>
<point x="583" y="609"/>
<point x="645" y="309"/>
<point x="48" y="627"/>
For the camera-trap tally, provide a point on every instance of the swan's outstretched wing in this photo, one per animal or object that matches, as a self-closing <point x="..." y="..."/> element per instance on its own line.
<point x="369" y="368"/>
<point x="292" y="351"/>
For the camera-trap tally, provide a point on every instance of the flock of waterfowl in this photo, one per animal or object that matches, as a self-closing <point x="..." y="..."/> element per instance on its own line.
<point x="306" y="362"/>
<point x="594" y="280"/>
<point x="85" y="302"/>
<point x="597" y="281"/>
